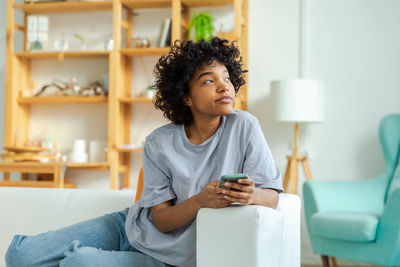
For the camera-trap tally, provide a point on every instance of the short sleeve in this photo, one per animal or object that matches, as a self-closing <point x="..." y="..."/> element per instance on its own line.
<point x="259" y="163"/>
<point x="156" y="184"/>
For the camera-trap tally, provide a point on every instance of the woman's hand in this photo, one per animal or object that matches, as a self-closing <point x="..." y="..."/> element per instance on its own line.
<point x="245" y="193"/>
<point x="211" y="196"/>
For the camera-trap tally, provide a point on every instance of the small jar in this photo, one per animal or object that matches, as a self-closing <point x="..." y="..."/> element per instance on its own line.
<point x="109" y="45"/>
<point x="140" y="42"/>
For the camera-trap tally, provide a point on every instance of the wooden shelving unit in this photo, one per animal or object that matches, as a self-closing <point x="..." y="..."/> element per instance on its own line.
<point x="120" y="66"/>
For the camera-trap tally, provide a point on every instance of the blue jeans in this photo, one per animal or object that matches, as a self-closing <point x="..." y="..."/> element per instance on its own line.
<point x="96" y="242"/>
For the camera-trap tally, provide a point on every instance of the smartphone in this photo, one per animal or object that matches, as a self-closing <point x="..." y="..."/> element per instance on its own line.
<point x="231" y="178"/>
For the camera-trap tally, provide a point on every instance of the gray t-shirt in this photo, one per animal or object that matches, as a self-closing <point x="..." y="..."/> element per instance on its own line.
<point x="175" y="169"/>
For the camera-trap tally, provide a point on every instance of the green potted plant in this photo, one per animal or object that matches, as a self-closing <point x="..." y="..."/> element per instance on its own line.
<point x="203" y="25"/>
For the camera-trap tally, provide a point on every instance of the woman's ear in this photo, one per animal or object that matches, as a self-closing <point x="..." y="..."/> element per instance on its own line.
<point x="187" y="100"/>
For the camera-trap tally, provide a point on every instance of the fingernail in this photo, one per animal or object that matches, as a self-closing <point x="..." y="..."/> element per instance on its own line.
<point x="224" y="191"/>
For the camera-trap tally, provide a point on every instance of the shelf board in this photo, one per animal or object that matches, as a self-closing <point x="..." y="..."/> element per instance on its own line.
<point x="89" y="166"/>
<point x="136" y="100"/>
<point x="28" y="166"/>
<point x="203" y="3"/>
<point x="136" y="4"/>
<point x="39" y="167"/>
<point x="64" y="7"/>
<point x="145" y="52"/>
<point x="62" y="100"/>
<point x="62" y="55"/>
<point x="33" y="183"/>
<point x="139" y="149"/>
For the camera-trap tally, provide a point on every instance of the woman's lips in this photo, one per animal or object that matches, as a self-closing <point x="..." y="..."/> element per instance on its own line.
<point x="225" y="100"/>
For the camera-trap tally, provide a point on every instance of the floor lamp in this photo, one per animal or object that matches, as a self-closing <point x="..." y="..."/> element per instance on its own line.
<point x="298" y="101"/>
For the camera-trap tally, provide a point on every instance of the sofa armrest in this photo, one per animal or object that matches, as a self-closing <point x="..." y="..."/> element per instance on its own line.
<point x="249" y="235"/>
<point x="290" y="206"/>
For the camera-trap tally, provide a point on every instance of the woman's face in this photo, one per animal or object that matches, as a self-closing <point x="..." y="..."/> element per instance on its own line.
<point x="211" y="93"/>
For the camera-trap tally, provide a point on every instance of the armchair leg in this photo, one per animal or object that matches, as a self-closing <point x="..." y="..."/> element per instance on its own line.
<point x="325" y="261"/>
<point x="333" y="261"/>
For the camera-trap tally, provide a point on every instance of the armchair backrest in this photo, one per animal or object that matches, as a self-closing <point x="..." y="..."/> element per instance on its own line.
<point x="389" y="134"/>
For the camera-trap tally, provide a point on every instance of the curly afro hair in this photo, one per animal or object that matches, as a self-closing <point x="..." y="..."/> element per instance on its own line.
<point x="175" y="70"/>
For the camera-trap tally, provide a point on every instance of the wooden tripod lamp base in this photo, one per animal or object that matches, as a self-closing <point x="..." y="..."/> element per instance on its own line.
<point x="291" y="174"/>
<point x="297" y="100"/>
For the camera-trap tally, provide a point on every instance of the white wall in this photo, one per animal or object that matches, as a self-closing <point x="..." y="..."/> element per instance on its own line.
<point x="350" y="45"/>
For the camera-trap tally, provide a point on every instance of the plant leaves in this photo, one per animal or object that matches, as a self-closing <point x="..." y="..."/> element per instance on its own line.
<point x="203" y="26"/>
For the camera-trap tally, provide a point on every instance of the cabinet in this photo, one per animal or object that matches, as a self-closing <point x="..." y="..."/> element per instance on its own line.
<point x="120" y="67"/>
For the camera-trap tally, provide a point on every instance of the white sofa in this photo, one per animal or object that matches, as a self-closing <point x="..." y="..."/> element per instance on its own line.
<point x="234" y="236"/>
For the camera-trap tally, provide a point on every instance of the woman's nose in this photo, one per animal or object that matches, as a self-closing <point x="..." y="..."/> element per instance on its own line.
<point x="222" y="89"/>
<point x="222" y="86"/>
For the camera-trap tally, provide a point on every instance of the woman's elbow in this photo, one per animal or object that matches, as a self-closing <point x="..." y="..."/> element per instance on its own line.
<point x="159" y="222"/>
<point x="160" y="226"/>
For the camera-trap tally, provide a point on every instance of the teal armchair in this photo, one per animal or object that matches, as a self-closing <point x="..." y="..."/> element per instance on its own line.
<point x="359" y="220"/>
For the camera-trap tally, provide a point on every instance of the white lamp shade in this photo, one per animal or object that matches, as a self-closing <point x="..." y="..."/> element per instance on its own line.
<point x="298" y="100"/>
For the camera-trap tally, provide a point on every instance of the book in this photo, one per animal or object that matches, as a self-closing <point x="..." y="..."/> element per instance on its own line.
<point x="165" y="31"/>
<point x="168" y="41"/>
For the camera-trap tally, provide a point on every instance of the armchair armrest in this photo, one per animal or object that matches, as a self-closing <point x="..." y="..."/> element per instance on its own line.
<point x="367" y="195"/>
<point x="388" y="233"/>
<point x="250" y="235"/>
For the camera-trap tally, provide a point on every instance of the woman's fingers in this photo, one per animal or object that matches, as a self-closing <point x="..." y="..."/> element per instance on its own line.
<point x="236" y="194"/>
<point x="247" y="181"/>
<point x="240" y="187"/>
<point x="233" y="199"/>
<point x="240" y="192"/>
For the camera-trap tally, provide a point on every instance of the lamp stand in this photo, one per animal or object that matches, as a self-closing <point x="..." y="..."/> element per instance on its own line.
<point x="291" y="175"/>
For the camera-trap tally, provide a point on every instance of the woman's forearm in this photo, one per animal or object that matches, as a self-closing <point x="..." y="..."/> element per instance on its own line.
<point x="171" y="217"/>
<point x="168" y="217"/>
<point x="267" y="197"/>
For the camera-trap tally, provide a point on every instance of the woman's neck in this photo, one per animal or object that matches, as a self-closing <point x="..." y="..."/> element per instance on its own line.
<point x="200" y="130"/>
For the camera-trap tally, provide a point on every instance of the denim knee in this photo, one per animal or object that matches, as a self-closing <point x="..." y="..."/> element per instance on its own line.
<point x="18" y="256"/>
<point x="76" y="255"/>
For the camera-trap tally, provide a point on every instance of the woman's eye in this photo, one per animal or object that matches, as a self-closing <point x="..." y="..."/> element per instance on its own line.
<point x="227" y="79"/>
<point x="208" y="81"/>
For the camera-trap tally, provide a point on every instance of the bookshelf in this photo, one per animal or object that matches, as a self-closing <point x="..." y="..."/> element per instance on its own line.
<point x="120" y="67"/>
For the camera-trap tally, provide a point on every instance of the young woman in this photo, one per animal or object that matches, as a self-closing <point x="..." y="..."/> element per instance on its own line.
<point x="182" y="162"/>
